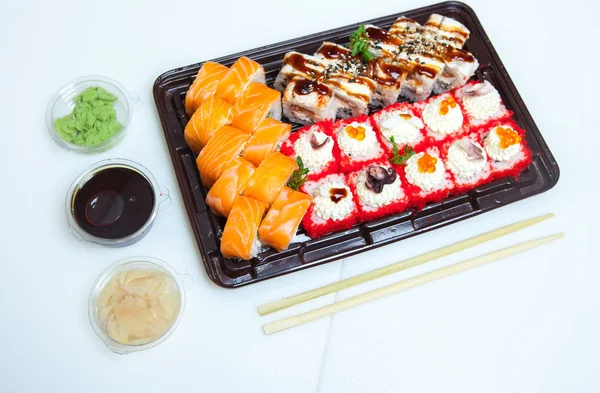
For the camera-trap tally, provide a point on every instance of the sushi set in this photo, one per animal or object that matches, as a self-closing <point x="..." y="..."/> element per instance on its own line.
<point x="314" y="149"/>
<point x="301" y="153"/>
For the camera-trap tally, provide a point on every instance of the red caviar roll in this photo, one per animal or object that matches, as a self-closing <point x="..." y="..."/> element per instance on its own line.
<point x="443" y="118"/>
<point x="505" y="144"/>
<point x="401" y="122"/>
<point x="378" y="191"/>
<point x="357" y="142"/>
<point x="333" y="208"/>
<point x="426" y="178"/>
<point x="481" y="103"/>
<point x="316" y="146"/>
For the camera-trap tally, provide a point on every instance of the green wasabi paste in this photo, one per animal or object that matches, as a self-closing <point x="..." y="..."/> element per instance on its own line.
<point x="93" y="119"/>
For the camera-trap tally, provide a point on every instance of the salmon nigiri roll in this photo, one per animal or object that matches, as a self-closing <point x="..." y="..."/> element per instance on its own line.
<point x="212" y="114"/>
<point x="267" y="138"/>
<point x="257" y="103"/>
<point x="227" y="143"/>
<point x="239" y="239"/>
<point x="282" y="221"/>
<point x="204" y="85"/>
<point x="243" y="72"/>
<point x="231" y="183"/>
<point x="270" y="177"/>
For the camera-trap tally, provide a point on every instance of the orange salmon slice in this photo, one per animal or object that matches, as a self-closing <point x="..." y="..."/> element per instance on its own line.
<point x="212" y="114"/>
<point x="231" y="183"/>
<point x="255" y="104"/>
<point x="243" y="72"/>
<point x="282" y="221"/>
<point x="205" y="85"/>
<point x="266" y="139"/>
<point x="223" y="147"/>
<point x="270" y="177"/>
<point x="240" y="231"/>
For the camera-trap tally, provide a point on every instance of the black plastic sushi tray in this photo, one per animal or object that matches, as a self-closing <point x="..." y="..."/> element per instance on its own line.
<point x="169" y="93"/>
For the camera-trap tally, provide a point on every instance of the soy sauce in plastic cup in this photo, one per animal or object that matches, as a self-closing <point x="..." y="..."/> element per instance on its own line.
<point x="114" y="202"/>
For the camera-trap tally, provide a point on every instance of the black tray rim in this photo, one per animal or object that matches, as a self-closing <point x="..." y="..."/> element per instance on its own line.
<point x="555" y="169"/>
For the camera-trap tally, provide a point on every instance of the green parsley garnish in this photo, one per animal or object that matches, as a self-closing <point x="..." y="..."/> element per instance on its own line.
<point x="401" y="158"/>
<point x="299" y="176"/>
<point x="360" y="45"/>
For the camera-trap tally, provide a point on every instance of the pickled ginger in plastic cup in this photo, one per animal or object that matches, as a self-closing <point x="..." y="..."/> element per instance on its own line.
<point x="136" y="304"/>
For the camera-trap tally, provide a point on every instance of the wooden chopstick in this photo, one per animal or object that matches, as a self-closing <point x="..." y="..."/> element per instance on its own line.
<point x="393" y="268"/>
<point x="296" y="320"/>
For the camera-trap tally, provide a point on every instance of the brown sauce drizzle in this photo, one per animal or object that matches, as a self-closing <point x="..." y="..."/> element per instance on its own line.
<point x="405" y="20"/>
<point x="453" y="54"/>
<point x="376" y="71"/>
<point x="380" y="35"/>
<point x="337" y="194"/>
<point x="305" y="86"/>
<point x="426" y="71"/>
<point x="333" y="52"/>
<point x="363" y="81"/>
<point x="448" y="29"/>
<point x="433" y="24"/>
<point x="391" y="74"/>
<point x="441" y="52"/>
<point x="340" y="86"/>
<point x="298" y="62"/>
<point x="376" y="33"/>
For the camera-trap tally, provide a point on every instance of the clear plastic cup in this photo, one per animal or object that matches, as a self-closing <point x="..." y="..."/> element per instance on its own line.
<point x="133" y="263"/>
<point x="161" y="201"/>
<point x="62" y="104"/>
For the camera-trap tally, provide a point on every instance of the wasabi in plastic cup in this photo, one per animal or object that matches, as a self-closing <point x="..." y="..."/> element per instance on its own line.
<point x="62" y="104"/>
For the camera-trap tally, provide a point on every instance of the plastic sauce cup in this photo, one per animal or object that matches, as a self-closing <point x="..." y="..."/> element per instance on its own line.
<point x="133" y="263"/>
<point x="62" y="104"/>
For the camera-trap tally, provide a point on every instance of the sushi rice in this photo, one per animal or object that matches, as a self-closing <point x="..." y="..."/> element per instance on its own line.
<point x="482" y="103"/>
<point x="358" y="143"/>
<point x="325" y="215"/>
<point x="320" y="164"/>
<point x="401" y="122"/>
<point x="371" y="205"/>
<point x="467" y="172"/>
<point x="440" y="122"/>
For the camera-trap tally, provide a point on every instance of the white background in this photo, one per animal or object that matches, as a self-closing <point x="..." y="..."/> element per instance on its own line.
<point x="526" y="324"/>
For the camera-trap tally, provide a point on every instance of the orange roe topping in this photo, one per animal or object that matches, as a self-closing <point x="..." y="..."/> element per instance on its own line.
<point x="357" y="133"/>
<point x="406" y="116"/>
<point x="508" y="137"/>
<point x="448" y="102"/>
<point x="427" y="163"/>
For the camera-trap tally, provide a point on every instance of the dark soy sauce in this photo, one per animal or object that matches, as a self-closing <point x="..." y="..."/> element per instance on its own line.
<point x="337" y="194"/>
<point x="115" y="203"/>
